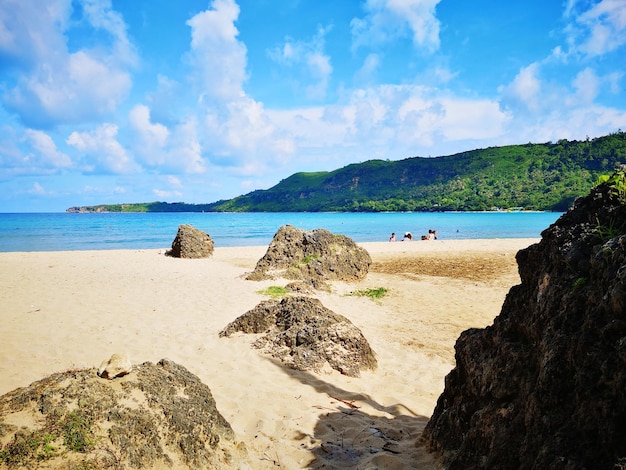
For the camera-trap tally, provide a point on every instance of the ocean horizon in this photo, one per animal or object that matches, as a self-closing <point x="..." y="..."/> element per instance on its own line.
<point x="105" y="231"/>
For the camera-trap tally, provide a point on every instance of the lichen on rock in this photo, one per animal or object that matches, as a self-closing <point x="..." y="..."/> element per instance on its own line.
<point x="157" y="416"/>
<point x="314" y="256"/>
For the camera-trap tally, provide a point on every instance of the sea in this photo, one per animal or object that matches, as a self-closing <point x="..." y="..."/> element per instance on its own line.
<point x="24" y="232"/>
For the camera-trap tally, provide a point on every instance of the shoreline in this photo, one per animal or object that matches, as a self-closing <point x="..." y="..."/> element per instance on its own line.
<point x="483" y="244"/>
<point x="73" y="309"/>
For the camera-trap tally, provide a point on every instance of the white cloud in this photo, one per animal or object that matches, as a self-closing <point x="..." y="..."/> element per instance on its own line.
<point x="525" y="88"/>
<point x="597" y="30"/>
<point x="472" y="119"/>
<point x="388" y="121"/>
<point x="386" y="20"/>
<point x="55" y="85"/>
<point x="170" y="150"/>
<point x="174" y="182"/>
<point x="30" y="33"/>
<point x="166" y="194"/>
<point x="186" y="149"/>
<point x="243" y="133"/>
<point x="47" y="154"/>
<point x="216" y="54"/>
<point x="104" y="153"/>
<point x="319" y="65"/>
<point x="150" y="135"/>
<point x="234" y="129"/>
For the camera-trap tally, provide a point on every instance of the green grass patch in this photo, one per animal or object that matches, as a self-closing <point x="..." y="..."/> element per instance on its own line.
<point x="275" y="292"/>
<point x="77" y="433"/>
<point x="375" y="294"/>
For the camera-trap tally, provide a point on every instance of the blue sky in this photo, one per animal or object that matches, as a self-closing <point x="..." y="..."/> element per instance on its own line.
<point x="109" y="101"/>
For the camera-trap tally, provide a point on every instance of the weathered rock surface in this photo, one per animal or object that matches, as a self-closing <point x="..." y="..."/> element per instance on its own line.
<point x="117" y="365"/>
<point x="545" y="385"/>
<point x="312" y="255"/>
<point x="158" y="416"/>
<point x="305" y="335"/>
<point x="191" y="242"/>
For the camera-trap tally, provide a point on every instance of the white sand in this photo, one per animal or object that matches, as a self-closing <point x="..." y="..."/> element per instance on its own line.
<point x="62" y="310"/>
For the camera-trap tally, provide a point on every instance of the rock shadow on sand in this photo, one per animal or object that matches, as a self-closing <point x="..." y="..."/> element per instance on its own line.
<point x="351" y="434"/>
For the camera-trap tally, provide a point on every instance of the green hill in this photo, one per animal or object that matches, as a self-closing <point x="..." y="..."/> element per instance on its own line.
<point x="532" y="176"/>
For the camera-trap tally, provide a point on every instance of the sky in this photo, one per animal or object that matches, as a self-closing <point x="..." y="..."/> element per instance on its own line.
<point x="113" y="101"/>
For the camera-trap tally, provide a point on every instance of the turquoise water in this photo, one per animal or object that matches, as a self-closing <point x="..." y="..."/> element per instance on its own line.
<point x="72" y="231"/>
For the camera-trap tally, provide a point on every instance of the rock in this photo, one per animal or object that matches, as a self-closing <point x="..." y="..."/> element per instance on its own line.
<point x="191" y="243"/>
<point x="545" y="385"/>
<point x="117" y="366"/>
<point x="158" y="416"/>
<point x="305" y="335"/>
<point x="316" y="256"/>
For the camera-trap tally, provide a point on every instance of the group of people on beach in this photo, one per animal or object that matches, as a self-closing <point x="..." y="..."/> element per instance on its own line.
<point x="408" y="236"/>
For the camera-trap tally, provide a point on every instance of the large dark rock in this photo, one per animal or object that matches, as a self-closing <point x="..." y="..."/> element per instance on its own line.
<point x="191" y="243"/>
<point x="305" y="335"/>
<point x="545" y="385"/>
<point x="158" y="416"/>
<point x="312" y="255"/>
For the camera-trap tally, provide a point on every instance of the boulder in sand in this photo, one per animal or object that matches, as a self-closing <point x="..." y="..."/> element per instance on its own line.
<point x="545" y="385"/>
<point x="312" y="255"/>
<point x="191" y="242"/>
<point x="305" y="335"/>
<point x="157" y="416"/>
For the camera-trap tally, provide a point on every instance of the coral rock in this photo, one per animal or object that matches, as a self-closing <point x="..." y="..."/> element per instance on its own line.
<point x="191" y="243"/>
<point x="314" y="256"/>
<point x="545" y="385"/>
<point x="305" y="335"/>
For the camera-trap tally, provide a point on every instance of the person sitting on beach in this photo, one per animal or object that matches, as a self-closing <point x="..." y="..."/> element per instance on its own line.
<point x="432" y="235"/>
<point x="392" y="238"/>
<point x="407" y="236"/>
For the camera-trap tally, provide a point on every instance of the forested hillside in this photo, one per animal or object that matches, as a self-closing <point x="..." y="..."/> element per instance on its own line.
<point x="532" y="176"/>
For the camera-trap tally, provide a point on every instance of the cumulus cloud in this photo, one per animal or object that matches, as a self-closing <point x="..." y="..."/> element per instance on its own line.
<point x="151" y="135"/>
<point x="156" y="146"/>
<point x="386" y="20"/>
<point x="216" y="54"/>
<point x="51" y="84"/>
<point x="233" y="129"/>
<point x="105" y="154"/>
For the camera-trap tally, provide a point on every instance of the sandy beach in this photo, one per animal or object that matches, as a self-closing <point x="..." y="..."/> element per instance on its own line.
<point x="64" y="310"/>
